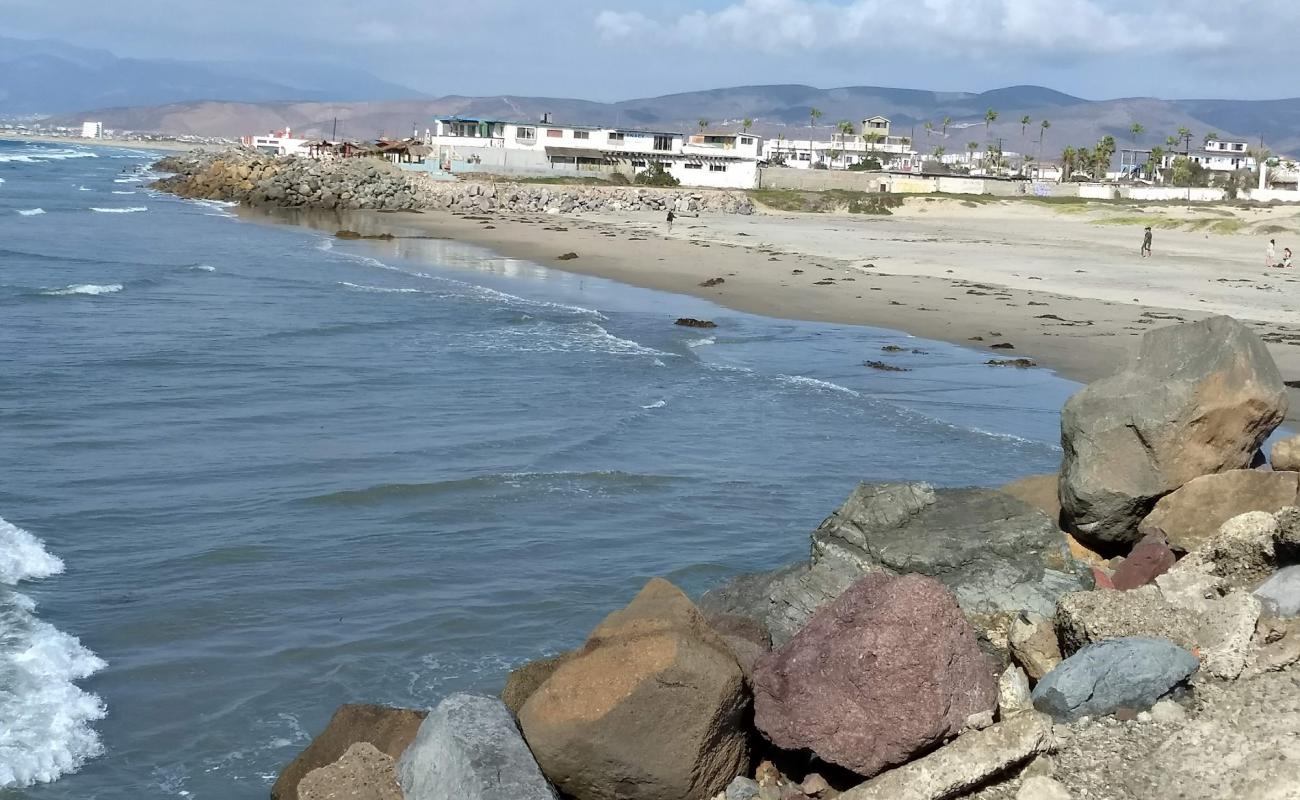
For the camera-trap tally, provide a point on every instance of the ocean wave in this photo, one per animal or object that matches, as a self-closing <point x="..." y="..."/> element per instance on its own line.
<point x="202" y="267"/>
<point x="583" y="482"/>
<point x="47" y="717"/>
<point x="380" y="289"/>
<point x="126" y="210"/>
<point x="133" y="179"/>
<point x="23" y="557"/>
<point x="84" y="189"/>
<point x="84" y="288"/>
<point x="563" y="337"/>
<point x="115" y="191"/>
<point x="656" y="404"/>
<point x="804" y="381"/>
<point x="31" y="212"/>
<point x="708" y="340"/>
<point x="35" y="156"/>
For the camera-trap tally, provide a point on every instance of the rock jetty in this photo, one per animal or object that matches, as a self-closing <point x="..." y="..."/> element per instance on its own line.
<point x="937" y="643"/>
<point x="261" y="180"/>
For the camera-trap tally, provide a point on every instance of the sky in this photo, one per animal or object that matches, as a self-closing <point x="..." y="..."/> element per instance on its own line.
<point x="608" y="50"/>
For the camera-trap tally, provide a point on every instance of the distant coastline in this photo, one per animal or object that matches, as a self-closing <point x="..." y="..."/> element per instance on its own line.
<point x="135" y="144"/>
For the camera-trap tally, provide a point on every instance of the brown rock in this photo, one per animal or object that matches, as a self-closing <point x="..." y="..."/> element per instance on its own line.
<point x="1190" y="516"/>
<point x="1149" y="559"/>
<point x="362" y="773"/>
<point x="389" y="730"/>
<point x="1286" y="455"/>
<point x="652" y="707"/>
<point x="524" y="680"/>
<point x="887" y="671"/>
<point x="1040" y="491"/>
<point x="1081" y="553"/>
<point x="1033" y="644"/>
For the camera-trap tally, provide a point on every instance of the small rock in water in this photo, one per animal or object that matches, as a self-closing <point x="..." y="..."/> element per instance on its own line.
<point x="688" y="322"/>
<point x="713" y="282"/>
<point x="566" y="257"/>
<point x="1020" y="363"/>
<point x="883" y="367"/>
<point x="1002" y="346"/>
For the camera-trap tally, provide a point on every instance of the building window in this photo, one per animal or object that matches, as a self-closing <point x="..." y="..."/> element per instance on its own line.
<point x="554" y="133"/>
<point x="525" y="133"/>
<point x="638" y="163"/>
<point x="1238" y="147"/>
<point x="694" y="166"/>
<point x="805" y="156"/>
<point x="581" y="135"/>
<point x="746" y="140"/>
<point x="663" y="143"/>
<point x="717" y="168"/>
<point x="616" y="137"/>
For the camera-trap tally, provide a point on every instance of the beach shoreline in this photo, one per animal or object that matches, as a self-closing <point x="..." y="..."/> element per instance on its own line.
<point x="1081" y="338"/>
<point x="132" y="144"/>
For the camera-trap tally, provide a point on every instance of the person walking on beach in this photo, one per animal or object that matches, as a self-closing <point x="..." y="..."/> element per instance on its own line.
<point x="1146" y="242"/>
<point x="1270" y="253"/>
<point x="671" y="217"/>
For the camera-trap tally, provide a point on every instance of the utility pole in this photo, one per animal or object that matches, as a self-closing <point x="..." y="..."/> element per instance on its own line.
<point x="334" y="136"/>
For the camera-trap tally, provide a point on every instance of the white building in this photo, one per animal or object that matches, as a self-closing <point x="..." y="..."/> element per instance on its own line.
<point x="708" y="158"/>
<point x="842" y="150"/>
<point x="277" y="143"/>
<point x="1219" y="156"/>
<point x="92" y="130"/>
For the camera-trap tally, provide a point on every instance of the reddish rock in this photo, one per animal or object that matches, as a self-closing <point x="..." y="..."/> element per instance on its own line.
<point x="1102" y="578"/>
<point x="1149" y="559"/>
<point x="886" y="672"/>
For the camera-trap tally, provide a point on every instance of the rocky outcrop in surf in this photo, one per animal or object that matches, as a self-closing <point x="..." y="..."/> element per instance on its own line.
<point x="949" y="643"/>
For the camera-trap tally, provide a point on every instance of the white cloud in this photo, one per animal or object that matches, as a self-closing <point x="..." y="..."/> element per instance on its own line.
<point x="948" y="28"/>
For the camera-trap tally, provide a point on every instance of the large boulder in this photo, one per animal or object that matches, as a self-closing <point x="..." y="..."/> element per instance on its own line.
<point x="1245" y="552"/>
<point x="1188" y="517"/>
<point x="998" y="555"/>
<point x="1286" y="454"/>
<point x="389" y="730"/>
<point x="653" y="707"/>
<point x="886" y="672"/>
<point x="1197" y="399"/>
<point x="524" y="680"/>
<point x="469" y="749"/>
<point x="363" y="773"/>
<point x="1102" y="678"/>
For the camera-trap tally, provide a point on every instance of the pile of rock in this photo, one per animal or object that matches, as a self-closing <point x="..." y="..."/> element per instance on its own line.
<point x="937" y="643"/>
<point x="258" y="179"/>
<point x="525" y="198"/>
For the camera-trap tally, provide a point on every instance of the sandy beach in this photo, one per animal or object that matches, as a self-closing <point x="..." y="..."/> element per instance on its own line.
<point x="1062" y="285"/>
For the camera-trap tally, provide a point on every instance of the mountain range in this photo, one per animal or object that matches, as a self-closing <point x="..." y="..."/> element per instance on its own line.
<point x="72" y="84"/>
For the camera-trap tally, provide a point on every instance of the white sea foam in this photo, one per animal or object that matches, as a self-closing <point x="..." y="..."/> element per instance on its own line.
<point x="127" y="210"/>
<point x="84" y="288"/>
<point x="31" y="212"/>
<point x="814" y="383"/>
<point x="656" y="404"/>
<point x="23" y="557"/>
<point x="204" y="267"/>
<point x="47" y="717"/>
<point x="115" y="191"/>
<point x="83" y="189"/>
<point x="127" y="180"/>
<point x="37" y="155"/>
<point x="379" y="289"/>
<point x="708" y="340"/>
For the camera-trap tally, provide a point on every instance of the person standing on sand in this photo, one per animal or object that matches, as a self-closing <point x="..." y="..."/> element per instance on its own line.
<point x="1146" y="242"/>
<point x="1270" y="254"/>
<point x="671" y="217"/>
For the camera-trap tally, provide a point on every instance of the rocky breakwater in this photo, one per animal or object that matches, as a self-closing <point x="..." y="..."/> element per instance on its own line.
<point x="468" y="196"/>
<point x="258" y="179"/>
<point x="937" y="643"/>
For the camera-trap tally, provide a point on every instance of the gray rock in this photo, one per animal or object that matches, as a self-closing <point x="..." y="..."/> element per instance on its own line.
<point x="469" y="748"/>
<point x="1014" y="696"/>
<point x="995" y="553"/>
<point x="1041" y="787"/>
<point x="1280" y="594"/>
<point x="966" y="762"/>
<point x="1197" y="399"/>
<point x="742" y="788"/>
<point x="1131" y="673"/>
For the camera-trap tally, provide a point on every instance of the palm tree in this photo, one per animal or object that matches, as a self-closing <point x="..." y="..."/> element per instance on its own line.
<point x="1155" y="160"/>
<point x="1137" y="130"/>
<point x="1186" y="136"/>
<point x="990" y="117"/>
<point x="845" y="130"/>
<point x="929" y="127"/>
<point x="938" y="153"/>
<point x="1102" y="155"/>
<point x="972" y="147"/>
<point x="1024" y="123"/>
<point x="1171" y="142"/>
<point x="746" y="124"/>
<point x="1042" y="131"/>
<point x="946" y="122"/>
<point x="814" y="114"/>
<point x="703" y="123"/>
<point x="1067" y="162"/>
<point x="1083" y="159"/>
<point x="1211" y="137"/>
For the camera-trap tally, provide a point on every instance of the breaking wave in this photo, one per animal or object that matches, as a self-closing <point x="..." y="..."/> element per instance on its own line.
<point x="47" y="717"/>
<point x="37" y="155"/>
<point x="84" y="288"/>
<point x="31" y="212"/>
<point x="128" y="210"/>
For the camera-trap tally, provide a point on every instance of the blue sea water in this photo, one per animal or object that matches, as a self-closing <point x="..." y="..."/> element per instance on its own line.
<point x="249" y="472"/>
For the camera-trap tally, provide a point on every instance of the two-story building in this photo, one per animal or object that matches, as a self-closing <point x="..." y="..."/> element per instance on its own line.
<point x="1219" y="156"/>
<point x="873" y="140"/>
<point x="706" y="159"/>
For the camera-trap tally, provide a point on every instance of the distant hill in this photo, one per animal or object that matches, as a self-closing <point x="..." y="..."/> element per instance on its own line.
<point x="776" y="110"/>
<point x="49" y="77"/>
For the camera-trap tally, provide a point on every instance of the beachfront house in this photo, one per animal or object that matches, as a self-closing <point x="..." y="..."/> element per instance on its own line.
<point x="872" y="141"/>
<point x="1218" y="156"/>
<point x="717" y="159"/>
<point x="277" y="143"/>
<point x="92" y="130"/>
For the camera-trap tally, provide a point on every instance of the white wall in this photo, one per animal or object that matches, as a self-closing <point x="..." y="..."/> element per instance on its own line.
<point x="739" y="175"/>
<point x="1272" y="195"/>
<point x="1195" y="195"/>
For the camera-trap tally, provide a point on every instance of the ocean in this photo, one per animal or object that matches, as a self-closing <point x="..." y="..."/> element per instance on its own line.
<point x="249" y="472"/>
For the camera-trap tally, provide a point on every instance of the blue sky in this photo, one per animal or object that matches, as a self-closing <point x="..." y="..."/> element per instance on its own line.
<point x="607" y="50"/>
